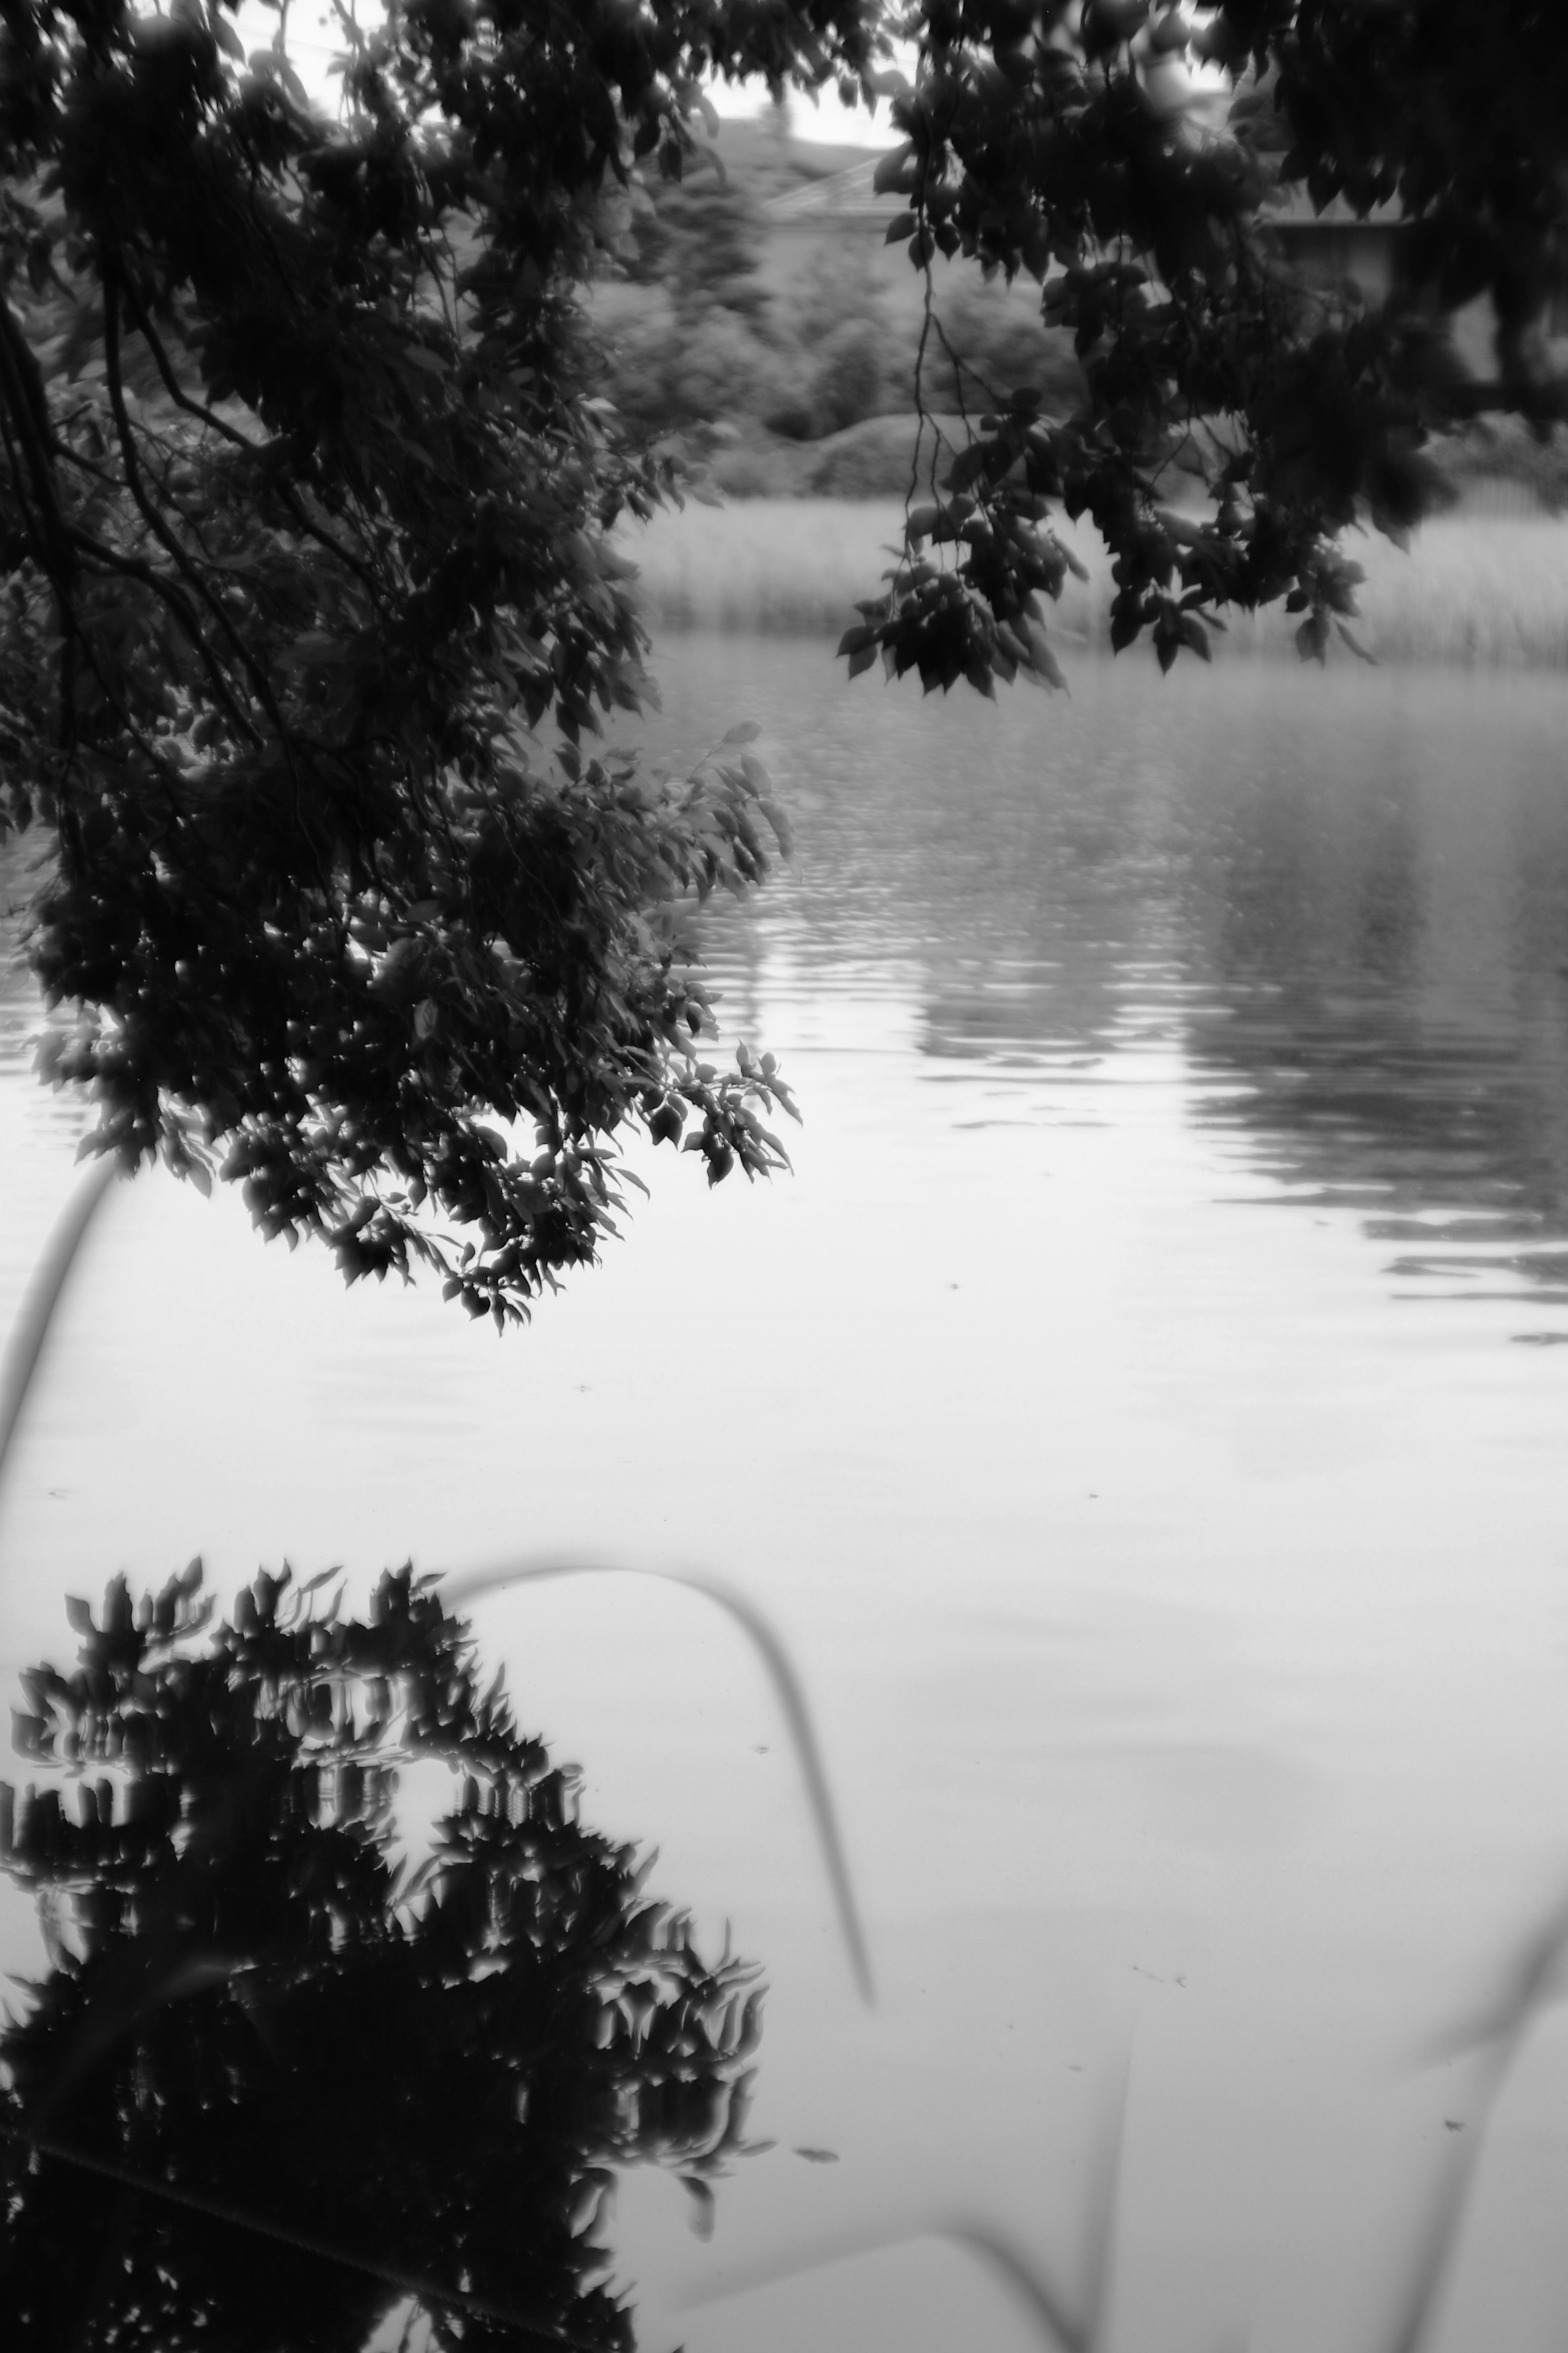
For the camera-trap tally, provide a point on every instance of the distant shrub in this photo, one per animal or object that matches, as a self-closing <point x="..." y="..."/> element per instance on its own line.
<point x="845" y="288"/>
<point x="795" y="420"/>
<point x="668" y="371"/>
<point x="762" y="466"/>
<point x="699" y="239"/>
<point x="865" y="363"/>
<point x="871" y="459"/>
<point x="1503" y="449"/>
<point x="637" y="332"/>
<point x="694" y="340"/>
<point x="995" y="344"/>
<point x="867" y="460"/>
<point x="718" y="367"/>
<point x="854" y="377"/>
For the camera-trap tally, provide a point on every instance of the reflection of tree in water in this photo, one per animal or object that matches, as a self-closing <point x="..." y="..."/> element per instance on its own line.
<point x="1018" y="901"/>
<point x="1063" y="914"/>
<point x="277" y="2079"/>
<point x="1387" y="987"/>
<point x="1344" y="904"/>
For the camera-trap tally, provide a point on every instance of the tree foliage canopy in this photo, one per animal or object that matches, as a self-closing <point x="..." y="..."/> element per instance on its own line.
<point x="1057" y="140"/>
<point x="308" y="600"/>
<point x="279" y="2076"/>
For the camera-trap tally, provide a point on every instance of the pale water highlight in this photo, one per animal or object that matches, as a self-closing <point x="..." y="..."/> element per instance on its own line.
<point x="1142" y="1414"/>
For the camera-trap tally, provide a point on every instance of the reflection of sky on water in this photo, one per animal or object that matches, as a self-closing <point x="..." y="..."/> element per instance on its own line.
<point x="1183" y="1614"/>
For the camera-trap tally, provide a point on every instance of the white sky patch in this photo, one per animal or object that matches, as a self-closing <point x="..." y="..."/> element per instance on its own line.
<point x="315" y="38"/>
<point x="824" y="121"/>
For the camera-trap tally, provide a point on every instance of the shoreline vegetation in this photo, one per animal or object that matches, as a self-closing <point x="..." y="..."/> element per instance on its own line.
<point x="758" y="320"/>
<point x="1485" y="585"/>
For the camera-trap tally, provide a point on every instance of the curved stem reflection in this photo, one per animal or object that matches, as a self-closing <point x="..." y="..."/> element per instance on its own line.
<point x="787" y="1687"/>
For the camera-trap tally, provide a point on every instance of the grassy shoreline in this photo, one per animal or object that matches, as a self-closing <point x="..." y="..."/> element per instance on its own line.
<point x="1484" y="589"/>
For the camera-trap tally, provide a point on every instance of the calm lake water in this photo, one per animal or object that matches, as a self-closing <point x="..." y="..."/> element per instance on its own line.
<point x="1142" y="1414"/>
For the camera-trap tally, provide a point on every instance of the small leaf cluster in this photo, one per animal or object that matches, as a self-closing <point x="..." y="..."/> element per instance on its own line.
<point x="420" y="2072"/>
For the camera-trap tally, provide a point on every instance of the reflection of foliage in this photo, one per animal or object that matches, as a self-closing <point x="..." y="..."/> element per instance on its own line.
<point x="255" y="2006"/>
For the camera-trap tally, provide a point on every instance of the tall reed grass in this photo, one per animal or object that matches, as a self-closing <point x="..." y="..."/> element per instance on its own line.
<point x="1489" y="589"/>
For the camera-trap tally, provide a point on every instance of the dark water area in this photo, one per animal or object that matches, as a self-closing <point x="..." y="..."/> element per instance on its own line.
<point x="1072" y="1580"/>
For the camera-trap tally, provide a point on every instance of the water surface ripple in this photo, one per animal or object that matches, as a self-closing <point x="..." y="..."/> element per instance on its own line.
<point x="1341" y="899"/>
<point x="1118" y="1414"/>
